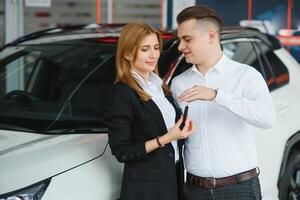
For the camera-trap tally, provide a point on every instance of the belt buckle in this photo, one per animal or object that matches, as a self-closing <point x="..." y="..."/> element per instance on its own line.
<point x="211" y="182"/>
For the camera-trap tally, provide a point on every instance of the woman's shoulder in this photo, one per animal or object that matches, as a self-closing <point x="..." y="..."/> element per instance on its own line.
<point x="121" y="88"/>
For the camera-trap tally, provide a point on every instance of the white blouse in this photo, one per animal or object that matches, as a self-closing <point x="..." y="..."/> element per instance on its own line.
<point x="153" y="87"/>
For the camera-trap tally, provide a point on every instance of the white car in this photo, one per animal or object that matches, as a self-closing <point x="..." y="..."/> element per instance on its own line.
<point x="53" y="144"/>
<point x="53" y="91"/>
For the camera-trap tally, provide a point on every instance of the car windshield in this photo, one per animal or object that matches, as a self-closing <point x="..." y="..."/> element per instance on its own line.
<point x="55" y="86"/>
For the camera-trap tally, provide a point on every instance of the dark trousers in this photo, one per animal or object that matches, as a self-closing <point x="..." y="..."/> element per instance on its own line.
<point x="180" y="179"/>
<point x="247" y="190"/>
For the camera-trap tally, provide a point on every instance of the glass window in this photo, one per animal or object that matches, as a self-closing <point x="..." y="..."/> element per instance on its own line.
<point x="256" y="54"/>
<point x="75" y="12"/>
<point x="132" y="10"/>
<point x="78" y="12"/>
<point x="277" y="73"/>
<point x="172" y="62"/>
<point x="243" y="52"/>
<point x="15" y="74"/>
<point x="49" y="86"/>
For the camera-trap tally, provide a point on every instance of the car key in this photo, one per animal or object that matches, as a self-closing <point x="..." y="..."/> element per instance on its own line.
<point x="185" y="112"/>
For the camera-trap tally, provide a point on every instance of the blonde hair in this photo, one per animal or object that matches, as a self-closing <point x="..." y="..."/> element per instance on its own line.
<point x="131" y="36"/>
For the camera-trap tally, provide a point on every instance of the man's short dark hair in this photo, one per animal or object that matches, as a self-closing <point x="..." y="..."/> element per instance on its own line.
<point x="199" y="12"/>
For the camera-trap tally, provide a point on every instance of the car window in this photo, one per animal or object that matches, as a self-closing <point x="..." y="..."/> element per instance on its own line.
<point x="244" y="52"/>
<point x="15" y="74"/>
<point x="251" y="51"/>
<point x="277" y="72"/>
<point x="258" y="55"/>
<point x="172" y="62"/>
<point x="53" y="86"/>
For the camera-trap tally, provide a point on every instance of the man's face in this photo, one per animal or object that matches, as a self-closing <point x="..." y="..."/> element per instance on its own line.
<point x="194" y="42"/>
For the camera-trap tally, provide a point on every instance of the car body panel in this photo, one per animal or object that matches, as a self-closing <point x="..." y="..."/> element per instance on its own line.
<point x="85" y="185"/>
<point x="34" y="157"/>
<point x="287" y="106"/>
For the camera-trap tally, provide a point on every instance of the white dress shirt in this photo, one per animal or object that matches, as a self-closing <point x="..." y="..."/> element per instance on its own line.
<point x="223" y="143"/>
<point x="153" y="87"/>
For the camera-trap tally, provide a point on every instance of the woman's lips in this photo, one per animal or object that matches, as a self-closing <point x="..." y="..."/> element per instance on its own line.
<point x="151" y="63"/>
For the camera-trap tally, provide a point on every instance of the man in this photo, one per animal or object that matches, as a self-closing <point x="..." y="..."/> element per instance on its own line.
<point x="225" y="99"/>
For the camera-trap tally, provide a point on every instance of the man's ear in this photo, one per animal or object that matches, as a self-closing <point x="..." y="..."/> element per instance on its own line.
<point x="212" y="35"/>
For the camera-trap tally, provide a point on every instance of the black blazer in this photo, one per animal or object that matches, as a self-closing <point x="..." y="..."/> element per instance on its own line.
<point x="131" y="122"/>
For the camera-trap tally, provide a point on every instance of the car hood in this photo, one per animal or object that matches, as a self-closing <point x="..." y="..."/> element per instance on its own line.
<point x="27" y="158"/>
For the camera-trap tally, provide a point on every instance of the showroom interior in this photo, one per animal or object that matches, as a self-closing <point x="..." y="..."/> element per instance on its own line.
<point x="57" y="68"/>
<point x="19" y="17"/>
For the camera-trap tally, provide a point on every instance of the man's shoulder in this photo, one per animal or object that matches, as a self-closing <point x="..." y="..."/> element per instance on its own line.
<point x="240" y="66"/>
<point x="243" y="68"/>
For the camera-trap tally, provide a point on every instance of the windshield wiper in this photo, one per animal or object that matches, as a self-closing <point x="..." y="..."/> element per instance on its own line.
<point x="87" y="130"/>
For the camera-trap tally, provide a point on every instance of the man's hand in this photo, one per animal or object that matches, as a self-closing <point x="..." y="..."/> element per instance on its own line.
<point x="198" y="92"/>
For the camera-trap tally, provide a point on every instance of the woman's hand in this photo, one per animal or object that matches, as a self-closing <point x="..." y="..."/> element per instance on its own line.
<point x="176" y="133"/>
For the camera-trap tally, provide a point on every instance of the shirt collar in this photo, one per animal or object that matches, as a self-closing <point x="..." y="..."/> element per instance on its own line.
<point x="153" y="78"/>
<point x="152" y="86"/>
<point x="219" y="66"/>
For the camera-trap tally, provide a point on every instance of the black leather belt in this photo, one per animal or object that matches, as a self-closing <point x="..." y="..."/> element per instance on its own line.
<point x="221" y="182"/>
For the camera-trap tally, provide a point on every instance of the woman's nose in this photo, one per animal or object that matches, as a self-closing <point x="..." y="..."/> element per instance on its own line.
<point x="154" y="53"/>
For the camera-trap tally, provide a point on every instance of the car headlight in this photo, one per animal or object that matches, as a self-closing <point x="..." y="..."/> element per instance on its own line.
<point x="32" y="192"/>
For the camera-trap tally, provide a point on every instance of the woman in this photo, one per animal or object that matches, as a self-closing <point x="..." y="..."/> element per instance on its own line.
<point x="141" y="120"/>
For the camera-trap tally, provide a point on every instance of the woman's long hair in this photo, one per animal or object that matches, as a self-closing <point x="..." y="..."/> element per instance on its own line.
<point x="131" y="36"/>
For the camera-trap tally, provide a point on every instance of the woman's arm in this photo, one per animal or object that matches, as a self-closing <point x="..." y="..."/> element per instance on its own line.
<point x="175" y="133"/>
<point x="119" y="117"/>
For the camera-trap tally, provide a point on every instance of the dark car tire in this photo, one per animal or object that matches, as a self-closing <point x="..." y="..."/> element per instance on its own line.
<point x="287" y="188"/>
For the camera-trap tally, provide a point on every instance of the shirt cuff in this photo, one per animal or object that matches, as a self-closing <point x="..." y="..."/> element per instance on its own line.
<point x="223" y="98"/>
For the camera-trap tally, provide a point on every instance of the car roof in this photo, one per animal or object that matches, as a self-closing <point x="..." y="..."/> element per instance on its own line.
<point x="113" y="31"/>
<point x="233" y="32"/>
<point x="102" y="30"/>
<point x="108" y="32"/>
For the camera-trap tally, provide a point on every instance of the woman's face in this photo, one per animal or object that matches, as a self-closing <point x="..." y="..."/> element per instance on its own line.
<point x="147" y="55"/>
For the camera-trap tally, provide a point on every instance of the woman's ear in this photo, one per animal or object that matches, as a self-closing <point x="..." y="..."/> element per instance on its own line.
<point x="128" y="57"/>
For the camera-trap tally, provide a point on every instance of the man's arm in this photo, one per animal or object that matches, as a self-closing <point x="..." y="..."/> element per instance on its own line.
<point x="255" y="105"/>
